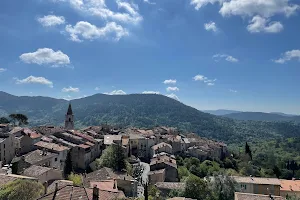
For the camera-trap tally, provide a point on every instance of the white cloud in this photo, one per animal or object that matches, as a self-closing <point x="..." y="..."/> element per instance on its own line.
<point x="46" y="56"/>
<point x="211" y="26"/>
<point x="150" y="92"/>
<point x="97" y="88"/>
<point x="85" y="30"/>
<point x="129" y="11"/>
<point x="173" y="96"/>
<point x="199" y="3"/>
<point x="116" y="92"/>
<point x="172" y="89"/>
<point x="289" y="55"/>
<point x="260" y="24"/>
<point x="70" y="89"/>
<point x="51" y="20"/>
<point x="233" y="91"/>
<point x="227" y="58"/>
<point x="2" y="70"/>
<point x="170" y="81"/>
<point x="265" y="8"/>
<point x="35" y="80"/>
<point x="204" y="79"/>
<point x="151" y="3"/>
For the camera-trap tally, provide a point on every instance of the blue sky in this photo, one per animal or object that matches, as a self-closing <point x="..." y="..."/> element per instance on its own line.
<point x="210" y="54"/>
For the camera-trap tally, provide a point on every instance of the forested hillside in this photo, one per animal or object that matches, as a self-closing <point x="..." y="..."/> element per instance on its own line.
<point x="142" y="110"/>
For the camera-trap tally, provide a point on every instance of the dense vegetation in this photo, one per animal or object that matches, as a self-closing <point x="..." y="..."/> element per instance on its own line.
<point x="144" y="111"/>
<point x="259" y="116"/>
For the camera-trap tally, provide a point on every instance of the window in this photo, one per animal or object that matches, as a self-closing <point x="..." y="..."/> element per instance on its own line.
<point x="55" y="159"/>
<point x="4" y="146"/>
<point x="243" y="187"/>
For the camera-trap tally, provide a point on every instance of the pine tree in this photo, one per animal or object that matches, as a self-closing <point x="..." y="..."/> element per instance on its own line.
<point x="248" y="150"/>
<point x="68" y="165"/>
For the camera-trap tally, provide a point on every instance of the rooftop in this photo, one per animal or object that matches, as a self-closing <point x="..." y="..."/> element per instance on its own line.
<point x="6" y="178"/>
<point x="161" y="145"/>
<point x="52" y="146"/>
<point x="106" y="185"/>
<point x="38" y="155"/>
<point x="290" y="185"/>
<point x="109" y="139"/>
<point x="170" y="185"/>
<point x="61" y="184"/>
<point x="249" y="196"/>
<point x="256" y="180"/>
<point x="36" y="171"/>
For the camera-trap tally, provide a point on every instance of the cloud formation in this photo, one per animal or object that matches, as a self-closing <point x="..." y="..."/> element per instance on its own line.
<point x="46" y="56"/>
<point x="174" y="89"/>
<point x="116" y="92"/>
<point x="233" y="91"/>
<point x="260" y="24"/>
<point x="170" y="81"/>
<point x="85" y="30"/>
<point x="228" y="58"/>
<point x="173" y="96"/>
<point x="34" y="80"/>
<point x="2" y="70"/>
<point x="204" y="79"/>
<point x="150" y="92"/>
<point x="51" y="20"/>
<point x="211" y="26"/>
<point x="287" y="56"/>
<point x="70" y="89"/>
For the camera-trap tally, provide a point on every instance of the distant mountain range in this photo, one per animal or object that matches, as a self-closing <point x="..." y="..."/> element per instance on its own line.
<point x="142" y="110"/>
<point x="255" y="116"/>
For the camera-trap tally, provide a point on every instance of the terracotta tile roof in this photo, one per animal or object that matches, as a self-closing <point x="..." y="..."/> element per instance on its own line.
<point x="160" y="145"/>
<point x="165" y="159"/>
<point x="89" y="143"/>
<point x="36" y="171"/>
<point x="37" y="156"/>
<point x="290" y="185"/>
<point x="80" y="193"/>
<point x="61" y="184"/>
<point x="11" y="177"/>
<point x="46" y="139"/>
<point x="170" y="185"/>
<point x="257" y="180"/>
<point x="104" y="174"/>
<point x="31" y="133"/>
<point x="85" y="136"/>
<point x="84" y="146"/>
<point x="52" y="146"/>
<point x="106" y="185"/>
<point x="161" y="171"/>
<point x="249" y="196"/>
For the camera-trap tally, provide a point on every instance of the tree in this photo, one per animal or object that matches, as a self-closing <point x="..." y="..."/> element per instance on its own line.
<point x="222" y="187"/>
<point x="248" y="150"/>
<point x="276" y="171"/>
<point x="20" y="118"/>
<point x="68" y="165"/>
<point x="4" y="120"/>
<point x="21" y="190"/>
<point x="76" y="178"/>
<point x="197" y="188"/>
<point x="112" y="157"/>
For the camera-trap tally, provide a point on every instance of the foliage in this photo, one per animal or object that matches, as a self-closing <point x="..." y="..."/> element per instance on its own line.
<point x="176" y="193"/>
<point x="183" y="173"/>
<point x="154" y="193"/>
<point x="222" y="187"/>
<point x="4" y="120"/>
<point x="197" y="188"/>
<point x="21" y="190"/>
<point x="68" y="165"/>
<point x="20" y="118"/>
<point x="248" y="150"/>
<point x="112" y="157"/>
<point x="76" y="178"/>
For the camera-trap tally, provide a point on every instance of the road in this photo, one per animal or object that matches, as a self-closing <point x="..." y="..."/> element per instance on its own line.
<point x="144" y="178"/>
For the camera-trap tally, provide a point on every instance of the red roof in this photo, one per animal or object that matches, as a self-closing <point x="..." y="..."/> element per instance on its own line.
<point x="106" y="185"/>
<point x="87" y="137"/>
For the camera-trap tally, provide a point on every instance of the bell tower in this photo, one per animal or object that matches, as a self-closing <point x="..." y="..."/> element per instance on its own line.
<point x="69" y="121"/>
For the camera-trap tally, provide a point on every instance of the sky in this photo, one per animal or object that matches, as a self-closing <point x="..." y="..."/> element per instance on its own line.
<point x="209" y="54"/>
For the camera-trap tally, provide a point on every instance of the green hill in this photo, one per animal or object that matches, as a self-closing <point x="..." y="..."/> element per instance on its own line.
<point x="260" y="116"/>
<point x="143" y="110"/>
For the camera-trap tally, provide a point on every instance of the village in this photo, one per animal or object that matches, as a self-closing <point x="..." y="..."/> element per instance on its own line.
<point x="42" y="153"/>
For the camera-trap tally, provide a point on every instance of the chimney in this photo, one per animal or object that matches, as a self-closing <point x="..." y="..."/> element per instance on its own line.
<point x="45" y="187"/>
<point x="95" y="193"/>
<point x="56" y="186"/>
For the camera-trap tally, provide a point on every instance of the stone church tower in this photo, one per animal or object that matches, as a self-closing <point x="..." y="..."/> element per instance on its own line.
<point x="69" y="122"/>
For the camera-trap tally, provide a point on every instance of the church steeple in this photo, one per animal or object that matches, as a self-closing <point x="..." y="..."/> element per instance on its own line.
<point x="69" y="121"/>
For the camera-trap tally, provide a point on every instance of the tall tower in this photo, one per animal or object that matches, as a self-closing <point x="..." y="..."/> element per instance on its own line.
<point x="69" y="122"/>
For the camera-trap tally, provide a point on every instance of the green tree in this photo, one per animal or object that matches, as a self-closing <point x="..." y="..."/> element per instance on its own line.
<point x="197" y="188"/>
<point x="277" y="171"/>
<point x="68" y="165"/>
<point x="76" y="178"/>
<point x="20" y="118"/>
<point x="248" y="150"/>
<point x="112" y="157"/>
<point x="4" y="120"/>
<point x="222" y="187"/>
<point x="21" y="190"/>
<point x="183" y="173"/>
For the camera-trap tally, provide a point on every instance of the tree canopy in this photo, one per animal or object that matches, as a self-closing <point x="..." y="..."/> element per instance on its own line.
<point x="21" y="190"/>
